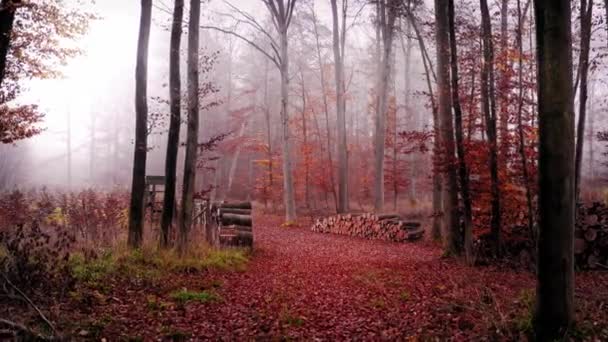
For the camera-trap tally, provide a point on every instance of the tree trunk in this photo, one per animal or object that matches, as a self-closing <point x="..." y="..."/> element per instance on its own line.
<point x="450" y="189"/>
<point x="522" y="142"/>
<point x="341" y="112"/>
<point x="174" y="124"/>
<point x="437" y="180"/>
<point x="387" y="15"/>
<point x="193" y="127"/>
<point x="504" y="84"/>
<point x="288" y="191"/>
<point x="463" y="172"/>
<point x="586" y="20"/>
<point x="489" y="108"/>
<point x="268" y="135"/>
<point x="136" y="212"/>
<point x="554" y="296"/>
<point x="7" y="18"/>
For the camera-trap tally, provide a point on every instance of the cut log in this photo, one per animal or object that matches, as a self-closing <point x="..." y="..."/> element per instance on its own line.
<point x="415" y="234"/>
<point x="236" y="205"/>
<point x="234" y="219"/>
<point x="388" y="216"/>
<point x="235" y="211"/>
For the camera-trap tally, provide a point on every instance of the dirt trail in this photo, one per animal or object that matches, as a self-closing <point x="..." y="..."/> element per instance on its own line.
<point x="310" y="286"/>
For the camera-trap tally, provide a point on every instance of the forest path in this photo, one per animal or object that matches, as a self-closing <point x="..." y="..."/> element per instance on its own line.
<point x="306" y="285"/>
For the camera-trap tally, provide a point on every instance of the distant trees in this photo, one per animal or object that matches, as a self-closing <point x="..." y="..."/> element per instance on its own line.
<point x="174" y="123"/>
<point x="193" y="126"/>
<point x="136" y="210"/>
<point x="555" y="290"/>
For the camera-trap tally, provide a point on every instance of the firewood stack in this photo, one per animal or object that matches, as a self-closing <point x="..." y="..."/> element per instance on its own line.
<point x="388" y="227"/>
<point x="235" y="224"/>
<point x="591" y="236"/>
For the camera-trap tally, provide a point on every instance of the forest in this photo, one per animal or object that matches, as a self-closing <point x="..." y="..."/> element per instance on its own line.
<point x="315" y="170"/>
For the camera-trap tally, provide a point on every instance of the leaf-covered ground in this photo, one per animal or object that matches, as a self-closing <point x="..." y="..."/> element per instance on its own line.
<point x="309" y="286"/>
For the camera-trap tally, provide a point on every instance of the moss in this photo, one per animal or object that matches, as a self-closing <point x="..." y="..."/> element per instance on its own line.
<point x="184" y="296"/>
<point x="525" y="321"/>
<point x="404" y="296"/>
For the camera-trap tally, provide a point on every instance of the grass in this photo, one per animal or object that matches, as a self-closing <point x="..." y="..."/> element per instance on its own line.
<point x="185" y="296"/>
<point x="152" y="264"/>
<point x="524" y="323"/>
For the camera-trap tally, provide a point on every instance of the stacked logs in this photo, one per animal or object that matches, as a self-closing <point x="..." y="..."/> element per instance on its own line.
<point x="591" y="236"/>
<point x="235" y="224"/>
<point x="388" y="227"/>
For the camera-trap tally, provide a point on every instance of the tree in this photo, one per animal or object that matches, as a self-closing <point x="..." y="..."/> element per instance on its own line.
<point x="463" y="172"/>
<point x="555" y="300"/>
<point x="193" y="126"/>
<point x="29" y="30"/>
<point x="489" y="110"/>
<point x="138" y="185"/>
<point x="338" y="47"/>
<point x="386" y="16"/>
<point x="174" y="123"/>
<point x="7" y="18"/>
<point x="583" y="67"/>
<point x="446" y="127"/>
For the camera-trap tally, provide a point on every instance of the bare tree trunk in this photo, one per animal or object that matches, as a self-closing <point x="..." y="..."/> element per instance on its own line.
<point x="193" y="127"/>
<point x="463" y="171"/>
<point x="305" y="134"/>
<point x="522" y="142"/>
<point x="340" y="108"/>
<point x="489" y="108"/>
<point x="591" y="132"/>
<point x="504" y="81"/>
<point x="555" y="290"/>
<point x="174" y="124"/>
<point x="289" y="195"/>
<point x="586" y="20"/>
<point x="436" y="179"/>
<point x="387" y="15"/>
<point x="69" y="148"/>
<point x="450" y="189"/>
<point x="136" y="212"/>
<point x="235" y="161"/>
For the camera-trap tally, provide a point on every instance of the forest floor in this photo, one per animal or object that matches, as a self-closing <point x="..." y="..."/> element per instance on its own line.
<point x="311" y="286"/>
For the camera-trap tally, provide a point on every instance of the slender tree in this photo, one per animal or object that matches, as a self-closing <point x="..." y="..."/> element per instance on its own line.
<point x="463" y="172"/>
<point x="136" y="212"/>
<point x="554" y="294"/>
<point x="583" y="65"/>
<point x="193" y="126"/>
<point x="340" y="105"/>
<point x="446" y="127"/>
<point x="174" y="123"/>
<point x="386" y="16"/>
<point x="489" y="109"/>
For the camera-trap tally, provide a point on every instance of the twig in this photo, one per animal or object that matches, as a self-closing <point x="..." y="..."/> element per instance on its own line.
<point x="27" y="299"/>
<point x="21" y="328"/>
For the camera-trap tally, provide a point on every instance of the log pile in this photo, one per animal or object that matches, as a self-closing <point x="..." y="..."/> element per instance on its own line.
<point x="591" y="236"/>
<point x="388" y="227"/>
<point x="235" y="224"/>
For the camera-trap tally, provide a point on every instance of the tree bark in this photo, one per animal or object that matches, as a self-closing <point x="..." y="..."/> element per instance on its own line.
<point x="463" y="171"/>
<point x="138" y="185"/>
<point x="7" y="18"/>
<point x="193" y="127"/>
<point x="554" y="296"/>
<point x="586" y="21"/>
<point x="341" y="109"/>
<point x="174" y="124"/>
<point x="450" y="188"/>
<point x="522" y="141"/>
<point x="489" y="108"/>
<point x="289" y="194"/>
<point x="387" y="14"/>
